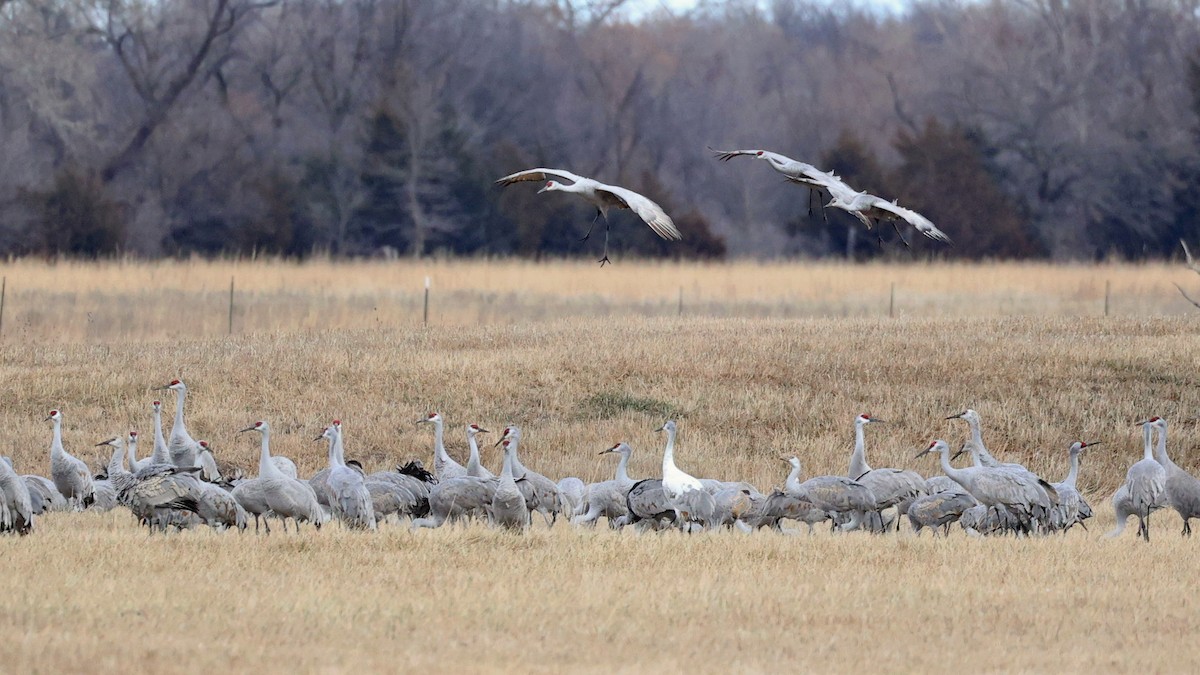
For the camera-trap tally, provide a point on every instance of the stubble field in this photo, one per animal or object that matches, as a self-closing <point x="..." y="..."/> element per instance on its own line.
<point x="764" y="361"/>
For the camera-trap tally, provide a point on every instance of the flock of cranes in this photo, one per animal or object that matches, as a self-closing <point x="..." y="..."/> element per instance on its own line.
<point x="868" y="208"/>
<point x="180" y="486"/>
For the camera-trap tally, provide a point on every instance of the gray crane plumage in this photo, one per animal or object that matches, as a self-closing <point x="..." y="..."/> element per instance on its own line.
<point x="1181" y="489"/>
<point x="836" y="495"/>
<point x="16" y="504"/>
<point x="508" y="504"/>
<point x="608" y="498"/>
<point x="71" y="475"/>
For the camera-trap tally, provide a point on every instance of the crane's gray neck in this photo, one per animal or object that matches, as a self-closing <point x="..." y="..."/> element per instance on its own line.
<point x="956" y="475"/>
<point x="510" y="456"/>
<point x="160" y="455"/>
<point x="439" y="448"/>
<point x="473" y="459"/>
<point x="623" y="467"/>
<point x="266" y="468"/>
<point x="114" y="463"/>
<point x="131" y="455"/>
<point x="1073" y="473"/>
<point x="1147" y="441"/>
<point x="978" y="449"/>
<point x="338" y="446"/>
<point x="56" y="445"/>
<point x="858" y="459"/>
<point x="179" y="426"/>
<point x="517" y="466"/>
<point x="333" y="453"/>
<point x="1160" y="450"/>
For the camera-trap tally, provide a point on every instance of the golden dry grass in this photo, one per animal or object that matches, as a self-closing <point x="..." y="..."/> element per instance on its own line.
<point x="91" y="591"/>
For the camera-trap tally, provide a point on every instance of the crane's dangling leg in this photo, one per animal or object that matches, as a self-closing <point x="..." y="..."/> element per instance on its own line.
<point x="605" y="258"/>
<point x="593" y="225"/>
<point x="810" y="198"/>
<point x="897" y="229"/>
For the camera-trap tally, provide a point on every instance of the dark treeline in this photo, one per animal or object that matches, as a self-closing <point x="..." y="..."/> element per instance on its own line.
<point x="1028" y="128"/>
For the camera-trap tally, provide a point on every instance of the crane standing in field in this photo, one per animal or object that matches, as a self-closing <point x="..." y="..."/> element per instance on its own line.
<point x="693" y="504"/>
<point x="508" y="504"/>
<point x="1145" y="485"/>
<point x="835" y="495"/>
<point x="284" y="496"/>
<point x="1182" y="490"/>
<point x="349" y="499"/>
<point x="444" y="466"/>
<point x="1072" y="509"/>
<point x="996" y="487"/>
<point x="71" y="476"/>
<point x="891" y="487"/>
<point x="603" y="197"/>
<point x="180" y="445"/>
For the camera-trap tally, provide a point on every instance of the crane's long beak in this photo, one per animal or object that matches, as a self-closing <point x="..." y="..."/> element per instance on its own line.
<point x="498" y="442"/>
<point x="108" y="442"/>
<point x="655" y="431"/>
<point x="1090" y="444"/>
<point x="249" y="428"/>
<point x="876" y="421"/>
<point x="481" y="430"/>
<point x="959" y="453"/>
<point x="318" y="438"/>
<point x="921" y="454"/>
<point x="959" y="415"/>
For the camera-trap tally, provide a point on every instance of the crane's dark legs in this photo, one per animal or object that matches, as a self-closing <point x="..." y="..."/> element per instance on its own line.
<point x="592" y="226"/>
<point x="605" y="258"/>
<point x="897" y="229"/>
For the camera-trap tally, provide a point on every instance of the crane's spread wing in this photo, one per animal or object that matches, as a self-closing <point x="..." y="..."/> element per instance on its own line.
<point x="923" y="225"/>
<point x="538" y="175"/>
<point x="726" y="155"/>
<point x="651" y="213"/>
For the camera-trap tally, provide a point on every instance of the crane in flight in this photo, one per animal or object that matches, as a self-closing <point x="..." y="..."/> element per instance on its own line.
<point x="805" y="174"/>
<point x="604" y="197"/>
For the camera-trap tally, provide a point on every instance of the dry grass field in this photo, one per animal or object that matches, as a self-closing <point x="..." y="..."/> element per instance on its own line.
<point x="765" y="361"/>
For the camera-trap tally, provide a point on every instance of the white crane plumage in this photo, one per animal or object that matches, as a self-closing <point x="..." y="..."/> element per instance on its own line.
<point x="869" y="208"/>
<point x="685" y="493"/>
<point x="604" y="197"/>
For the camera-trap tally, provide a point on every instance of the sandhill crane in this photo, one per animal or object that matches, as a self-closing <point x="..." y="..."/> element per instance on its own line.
<point x="571" y="490"/>
<point x="1071" y="509"/>
<point x="71" y="475"/>
<point x="219" y="508"/>
<point x="603" y="197"/>
<point x="835" y="495"/>
<point x="44" y="495"/>
<point x="1182" y="490"/>
<point x="161" y="454"/>
<point x="868" y="208"/>
<point x="938" y="510"/>
<point x="131" y="460"/>
<point x="771" y="509"/>
<point x="15" y="502"/>
<point x="997" y="487"/>
<point x="349" y="498"/>
<point x="890" y="487"/>
<point x="444" y="465"/>
<point x="456" y="498"/>
<point x="692" y="503"/>
<point x="508" y="504"/>
<point x="158" y="490"/>
<point x="1145" y="483"/>
<point x="180" y="444"/>
<point x="415" y="482"/>
<point x="541" y="493"/>
<point x="796" y="171"/>
<point x="105" y="488"/>
<point x="608" y="498"/>
<point x="284" y="496"/>
<point x="474" y="467"/>
<point x="648" y="505"/>
<point x="209" y="471"/>
<point x="981" y="457"/>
